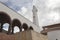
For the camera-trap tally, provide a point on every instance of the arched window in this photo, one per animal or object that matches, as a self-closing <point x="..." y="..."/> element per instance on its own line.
<point x="24" y="26"/>
<point x="15" y="23"/>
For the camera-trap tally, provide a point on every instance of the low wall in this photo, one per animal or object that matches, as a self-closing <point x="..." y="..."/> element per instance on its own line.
<point x="38" y="36"/>
<point x="32" y="35"/>
<point x="25" y="35"/>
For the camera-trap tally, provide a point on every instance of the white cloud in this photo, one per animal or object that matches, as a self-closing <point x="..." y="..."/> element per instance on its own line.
<point x="48" y="11"/>
<point x="53" y="16"/>
<point x="24" y="9"/>
<point x="51" y="3"/>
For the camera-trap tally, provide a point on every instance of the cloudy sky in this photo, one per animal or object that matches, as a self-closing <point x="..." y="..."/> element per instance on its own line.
<point x="48" y="10"/>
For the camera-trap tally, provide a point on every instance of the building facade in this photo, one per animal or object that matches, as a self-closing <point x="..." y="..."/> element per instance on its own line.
<point x="27" y="30"/>
<point x="52" y="31"/>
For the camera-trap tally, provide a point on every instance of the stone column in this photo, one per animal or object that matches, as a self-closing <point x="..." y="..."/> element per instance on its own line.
<point x="1" y="27"/>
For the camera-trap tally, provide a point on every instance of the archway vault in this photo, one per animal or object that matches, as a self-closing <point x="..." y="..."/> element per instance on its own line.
<point x="31" y="28"/>
<point x="4" y="18"/>
<point x="25" y="26"/>
<point x="16" y="22"/>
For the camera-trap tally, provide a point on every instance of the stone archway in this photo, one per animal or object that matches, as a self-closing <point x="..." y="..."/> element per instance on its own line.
<point x="25" y="26"/>
<point x="17" y="23"/>
<point x="30" y="28"/>
<point x="4" y="18"/>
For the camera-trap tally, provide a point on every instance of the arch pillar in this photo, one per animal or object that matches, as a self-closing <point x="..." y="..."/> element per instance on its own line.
<point x="12" y="30"/>
<point x="9" y="29"/>
<point x="1" y="26"/>
<point x="20" y="28"/>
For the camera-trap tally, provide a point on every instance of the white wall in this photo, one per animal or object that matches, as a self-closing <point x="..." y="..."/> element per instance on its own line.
<point x="15" y="15"/>
<point x="53" y="35"/>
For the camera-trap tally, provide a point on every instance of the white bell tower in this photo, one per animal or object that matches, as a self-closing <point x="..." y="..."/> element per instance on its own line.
<point x="35" y="17"/>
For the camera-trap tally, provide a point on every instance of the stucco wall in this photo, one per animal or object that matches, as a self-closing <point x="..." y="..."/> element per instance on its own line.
<point x="32" y="35"/>
<point x="53" y="35"/>
<point x="4" y="36"/>
<point x="25" y="35"/>
<point x="38" y="36"/>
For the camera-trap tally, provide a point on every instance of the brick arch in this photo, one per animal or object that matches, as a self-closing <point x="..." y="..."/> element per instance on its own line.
<point x="25" y="26"/>
<point x="4" y="18"/>
<point x="16" y="22"/>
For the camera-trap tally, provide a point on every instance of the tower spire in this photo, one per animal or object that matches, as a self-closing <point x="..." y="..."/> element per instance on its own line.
<point x="35" y="17"/>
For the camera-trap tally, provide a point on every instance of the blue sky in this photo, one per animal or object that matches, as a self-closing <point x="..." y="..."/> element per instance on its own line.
<point x="18" y="3"/>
